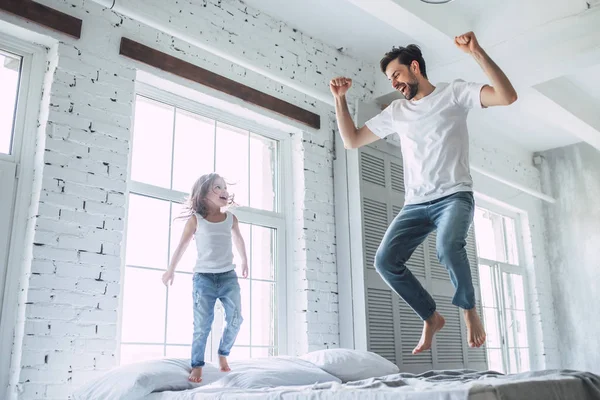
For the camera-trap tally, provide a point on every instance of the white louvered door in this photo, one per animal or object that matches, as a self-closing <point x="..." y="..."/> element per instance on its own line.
<point x="393" y="329"/>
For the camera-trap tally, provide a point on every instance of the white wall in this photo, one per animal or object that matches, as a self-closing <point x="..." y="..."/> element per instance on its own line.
<point x="68" y="295"/>
<point x="572" y="174"/>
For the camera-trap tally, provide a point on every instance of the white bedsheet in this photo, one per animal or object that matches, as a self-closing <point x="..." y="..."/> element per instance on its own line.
<point x="433" y="385"/>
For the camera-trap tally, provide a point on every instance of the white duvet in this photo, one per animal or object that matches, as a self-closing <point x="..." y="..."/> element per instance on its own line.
<point x="432" y="385"/>
<point x="326" y="377"/>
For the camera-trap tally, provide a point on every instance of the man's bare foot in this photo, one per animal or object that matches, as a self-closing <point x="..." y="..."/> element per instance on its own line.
<point x="475" y="330"/>
<point x="430" y="327"/>
<point x="223" y="364"/>
<point x="195" y="375"/>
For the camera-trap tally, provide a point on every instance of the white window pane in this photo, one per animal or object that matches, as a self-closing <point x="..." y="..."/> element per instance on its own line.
<point x="516" y="325"/>
<point x="490" y="320"/>
<point x="10" y="71"/>
<point x="495" y="360"/>
<point x="194" y="149"/>
<point x="263" y="242"/>
<point x="514" y="295"/>
<point x="263" y="313"/>
<point x="180" y="312"/>
<point x="524" y="360"/>
<point x="243" y="337"/>
<point x="489" y="235"/>
<point x="232" y="160"/>
<point x="152" y="142"/>
<point x="179" y="352"/>
<point x="144" y="302"/>
<point x="147" y="232"/>
<point x="188" y="260"/>
<point x="237" y="259"/>
<point x="518" y="360"/>
<point x="486" y="281"/>
<point x="511" y="241"/>
<point x="239" y="353"/>
<point x="133" y="353"/>
<point x="262" y="352"/>
<point x="263" y="163"/>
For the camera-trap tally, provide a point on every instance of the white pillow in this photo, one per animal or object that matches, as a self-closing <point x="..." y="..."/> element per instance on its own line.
<point x="134" y="381"/>
<point x="351" y="365"/>
<point x="260" y="373"/>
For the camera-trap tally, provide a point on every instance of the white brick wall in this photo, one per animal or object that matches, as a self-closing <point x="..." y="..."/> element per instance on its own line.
<point x="314" y="271"/>
<point x="69" y="303"/>
<point x="70" y="288"/>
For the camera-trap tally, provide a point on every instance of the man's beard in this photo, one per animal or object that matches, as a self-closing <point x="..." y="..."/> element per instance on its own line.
<point x="413" y="88"/>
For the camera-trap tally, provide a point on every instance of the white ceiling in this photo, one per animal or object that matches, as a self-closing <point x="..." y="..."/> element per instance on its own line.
<point x="550" y="49"/>
<point x="337" y="23"/>
<point x="517" y="125"/>
<point x="588" y="80"/>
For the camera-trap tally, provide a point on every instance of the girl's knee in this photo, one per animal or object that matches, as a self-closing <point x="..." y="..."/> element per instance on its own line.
<point x="235" y="319"/>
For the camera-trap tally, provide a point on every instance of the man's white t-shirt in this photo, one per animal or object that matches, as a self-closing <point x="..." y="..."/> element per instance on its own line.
<point x="434" y="139"/>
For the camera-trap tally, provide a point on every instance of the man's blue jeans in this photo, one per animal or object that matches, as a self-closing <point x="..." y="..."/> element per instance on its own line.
<point x="452" y="217"/>
<point x="207" y="289"/>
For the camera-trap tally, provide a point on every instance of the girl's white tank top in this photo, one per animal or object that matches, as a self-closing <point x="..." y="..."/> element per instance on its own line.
<point x="214" y="245"/>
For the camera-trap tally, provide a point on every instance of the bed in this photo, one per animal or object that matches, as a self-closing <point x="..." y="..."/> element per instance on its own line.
<point x="339" y="374"/>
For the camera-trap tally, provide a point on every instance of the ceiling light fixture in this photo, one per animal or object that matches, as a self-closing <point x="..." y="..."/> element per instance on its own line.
<point x="436" y="1"/>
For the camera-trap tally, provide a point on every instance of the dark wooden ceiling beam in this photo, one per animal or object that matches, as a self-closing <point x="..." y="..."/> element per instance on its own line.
<point x="43" y="15"/>
<point x="184" y="69"/>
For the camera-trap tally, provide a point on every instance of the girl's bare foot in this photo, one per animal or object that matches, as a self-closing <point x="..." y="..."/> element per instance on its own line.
<point x="475" y="331"/>
<point x="223" y="364"/>
<point x="195" y="375"/>
<point x="430" y="327"/>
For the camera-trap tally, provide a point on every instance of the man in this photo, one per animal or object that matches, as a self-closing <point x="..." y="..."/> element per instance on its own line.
<point x="432" y="124"/>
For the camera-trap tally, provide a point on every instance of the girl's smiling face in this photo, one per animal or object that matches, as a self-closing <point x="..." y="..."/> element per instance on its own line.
<point x="218" y="194"/>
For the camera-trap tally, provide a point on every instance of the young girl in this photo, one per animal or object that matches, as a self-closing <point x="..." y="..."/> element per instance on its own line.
<point x="214" y="273"/>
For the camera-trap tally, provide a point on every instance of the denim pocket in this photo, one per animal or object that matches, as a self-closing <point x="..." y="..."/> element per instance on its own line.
<point x="464" y="195"/>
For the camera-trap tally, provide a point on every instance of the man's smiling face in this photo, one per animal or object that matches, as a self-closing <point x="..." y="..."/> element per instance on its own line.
<point x="402" y="79"/>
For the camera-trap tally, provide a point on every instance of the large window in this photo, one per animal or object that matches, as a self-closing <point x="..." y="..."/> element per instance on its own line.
<point x="10" y="72"/>
<point x="503" y="283"/>
<point x="175" y="141"/>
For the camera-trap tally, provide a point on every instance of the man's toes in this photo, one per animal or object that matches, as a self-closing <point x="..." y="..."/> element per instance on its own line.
<point x="421" y="347"/>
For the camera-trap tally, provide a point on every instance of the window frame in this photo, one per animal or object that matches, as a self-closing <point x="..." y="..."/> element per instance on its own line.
<point x="19" y="118"/>
<point x="26" y="133"/>
<point x="278" y="220"/>
<point x="497" y="268"/>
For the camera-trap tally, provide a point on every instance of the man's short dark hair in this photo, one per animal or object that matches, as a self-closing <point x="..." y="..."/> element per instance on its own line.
<point x="404" y="55"/>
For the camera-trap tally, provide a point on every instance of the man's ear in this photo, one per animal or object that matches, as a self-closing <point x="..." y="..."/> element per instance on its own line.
<point x="415" y="67"/>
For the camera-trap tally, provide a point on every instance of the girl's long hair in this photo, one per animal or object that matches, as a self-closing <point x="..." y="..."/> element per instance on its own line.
<point x="196" y="202"/>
